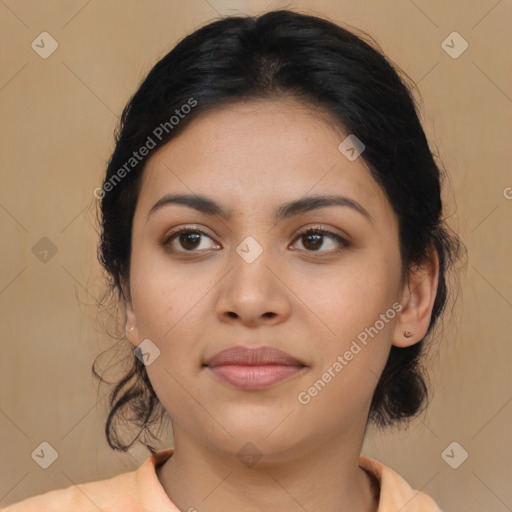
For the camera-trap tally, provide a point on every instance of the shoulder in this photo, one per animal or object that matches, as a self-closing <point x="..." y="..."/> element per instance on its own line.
<point x="395" y="492"/>
<point x="130" y="492"/>
<point x="116" y="493"/>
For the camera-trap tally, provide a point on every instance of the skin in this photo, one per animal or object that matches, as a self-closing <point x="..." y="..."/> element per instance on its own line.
<point x="299" y="296"/>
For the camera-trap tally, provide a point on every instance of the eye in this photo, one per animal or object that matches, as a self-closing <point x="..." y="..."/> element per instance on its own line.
<point x="315" y="240"/>
<point x="188" y="238"/>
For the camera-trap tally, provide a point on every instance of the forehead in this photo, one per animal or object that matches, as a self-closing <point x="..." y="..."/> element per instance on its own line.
<point x="258" y="153"/>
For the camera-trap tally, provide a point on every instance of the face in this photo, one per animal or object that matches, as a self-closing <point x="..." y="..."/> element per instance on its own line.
<point x="254" y="279"/>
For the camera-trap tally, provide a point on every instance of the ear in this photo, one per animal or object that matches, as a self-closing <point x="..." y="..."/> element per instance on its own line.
<point x="131" y="328"/>
<point x="418" y="296"/>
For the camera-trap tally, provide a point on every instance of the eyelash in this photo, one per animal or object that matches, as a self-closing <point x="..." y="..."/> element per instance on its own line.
<point x="317" y="231"/>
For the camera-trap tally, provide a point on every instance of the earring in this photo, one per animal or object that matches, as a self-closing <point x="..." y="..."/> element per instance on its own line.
<point x="407" y="334"/>
<point x="130" y="329"/>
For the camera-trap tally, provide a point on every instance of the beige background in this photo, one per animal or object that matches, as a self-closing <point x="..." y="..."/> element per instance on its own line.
<point x="58" y="115"/>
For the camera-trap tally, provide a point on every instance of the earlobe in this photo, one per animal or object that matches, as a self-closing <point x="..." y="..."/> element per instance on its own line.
<point x="131" y="329"/>
<point x="418" y="298"/>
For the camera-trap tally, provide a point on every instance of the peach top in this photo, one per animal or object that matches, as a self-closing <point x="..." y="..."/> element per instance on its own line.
<point x="141" y="491"/>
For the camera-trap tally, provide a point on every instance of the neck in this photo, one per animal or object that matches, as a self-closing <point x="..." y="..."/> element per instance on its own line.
<point x="324" y="477"/>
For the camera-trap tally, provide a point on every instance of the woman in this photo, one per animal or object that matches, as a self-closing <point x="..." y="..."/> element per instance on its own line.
<point x="272" y="224"/>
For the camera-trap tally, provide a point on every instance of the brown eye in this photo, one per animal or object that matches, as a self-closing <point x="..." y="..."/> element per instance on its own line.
<point x="188" y="239"/>
<point x="314" y="240"/>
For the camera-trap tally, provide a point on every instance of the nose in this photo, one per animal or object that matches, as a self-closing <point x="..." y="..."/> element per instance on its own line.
<point x="253" y="293"/>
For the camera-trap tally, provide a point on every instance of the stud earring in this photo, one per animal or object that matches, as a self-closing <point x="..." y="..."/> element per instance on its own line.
<point x="407" y="334"/>
<point x="130" y="329"/>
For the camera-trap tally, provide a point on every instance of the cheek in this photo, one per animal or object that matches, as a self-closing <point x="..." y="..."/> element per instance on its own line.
<point x="350" y="303"/>
<point x="353" y="294"/>
<point x="169" y="305"/>
<point x="351" y="357"/>
<point x="162" y="294"/>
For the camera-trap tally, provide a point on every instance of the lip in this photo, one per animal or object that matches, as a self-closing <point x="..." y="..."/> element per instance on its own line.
<point x="253" y="368"/>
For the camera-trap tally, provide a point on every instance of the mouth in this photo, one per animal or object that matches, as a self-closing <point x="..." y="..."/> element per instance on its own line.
<point x="253" y="369"/>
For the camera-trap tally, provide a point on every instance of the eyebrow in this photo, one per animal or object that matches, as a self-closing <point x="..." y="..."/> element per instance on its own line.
<point x="287" y="210"/>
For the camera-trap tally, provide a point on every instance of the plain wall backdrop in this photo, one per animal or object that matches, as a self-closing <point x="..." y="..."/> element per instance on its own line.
<point x="58" y="115"/>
